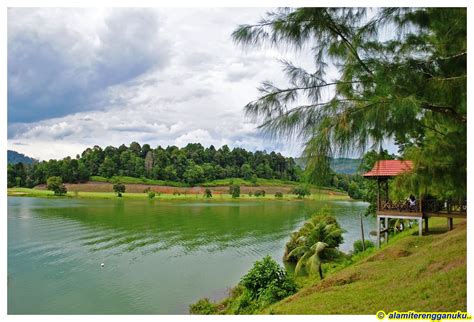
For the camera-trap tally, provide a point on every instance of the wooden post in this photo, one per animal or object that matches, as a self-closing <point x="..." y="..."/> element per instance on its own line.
<point x="362" y="232"/>
<point x="450" y="223"/>
<point x="426" y="224"/>
<point x="378" y="194"/>
<point x="378" y="232"/>
<point x="386" y="230"/>
<point x="420" y="227"/>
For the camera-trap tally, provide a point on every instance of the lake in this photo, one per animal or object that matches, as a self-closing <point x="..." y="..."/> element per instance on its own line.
<point x="158" y="257"/>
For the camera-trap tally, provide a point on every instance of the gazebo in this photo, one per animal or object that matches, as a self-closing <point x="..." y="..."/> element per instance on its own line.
<point x="421" y="209"/>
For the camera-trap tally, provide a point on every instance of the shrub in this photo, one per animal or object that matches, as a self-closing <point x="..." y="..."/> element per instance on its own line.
<point x="208" y="193"/>
<point x="203" y="306"/>
<point x="268" y="280"/>
<point x="151" y="194"/>
<point x="301" y="191"/>
<point x="147" y="190"/>
<point x="260" y="193"/>
<point x="253" y="180"/>
<point x="176" y="193"/>
<point x="358" y="246"/>
<point x="234" y="190"/>
<point x="119" y="188"/>
<point x="56" y="185"/>
<point x="278" y="194"/>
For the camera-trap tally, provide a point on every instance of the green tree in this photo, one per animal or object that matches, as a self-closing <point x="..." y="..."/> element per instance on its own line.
<point x="208" y="193"/>
<point x="301" y="191"/>
<point x="194" y="174"/>
<point x="315" y="242"/>
<point x="119" y="188"/>
<point x="402" y="73"/>
<point x="246" y="171"/>
<point x="56" y="185"/>
<point x="234" y="190"/>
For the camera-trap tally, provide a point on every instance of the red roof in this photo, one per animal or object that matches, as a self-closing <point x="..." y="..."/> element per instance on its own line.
<point x="389" y="168"/>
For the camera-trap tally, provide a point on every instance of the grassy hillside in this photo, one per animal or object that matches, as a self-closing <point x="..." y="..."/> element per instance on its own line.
<point x="410" y="273"/>
<point x="338" y="165"/>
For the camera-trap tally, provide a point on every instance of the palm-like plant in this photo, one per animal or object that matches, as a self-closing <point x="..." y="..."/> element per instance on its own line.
<point x="315" y="242"/>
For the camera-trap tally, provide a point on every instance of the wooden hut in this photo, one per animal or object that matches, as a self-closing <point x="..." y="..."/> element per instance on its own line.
<point x="421" y="209"/>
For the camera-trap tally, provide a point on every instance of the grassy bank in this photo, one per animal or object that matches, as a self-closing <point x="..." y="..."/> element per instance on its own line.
<point x="26" y="192"/>
<point x="410" y="273"/>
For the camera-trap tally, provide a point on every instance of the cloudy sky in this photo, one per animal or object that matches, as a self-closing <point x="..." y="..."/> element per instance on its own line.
<point x="84" y="77"/>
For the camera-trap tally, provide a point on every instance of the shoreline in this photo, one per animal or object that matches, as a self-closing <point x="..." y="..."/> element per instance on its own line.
<point x="39" y="193"/>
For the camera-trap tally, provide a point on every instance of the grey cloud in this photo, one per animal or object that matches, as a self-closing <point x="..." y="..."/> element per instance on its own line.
<point x="55" y="71"/>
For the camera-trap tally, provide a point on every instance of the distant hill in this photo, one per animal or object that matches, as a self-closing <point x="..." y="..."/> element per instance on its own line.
<point x="345" y="165"/>
<point x="14" y="157"/>
<point x="338" y="165"/>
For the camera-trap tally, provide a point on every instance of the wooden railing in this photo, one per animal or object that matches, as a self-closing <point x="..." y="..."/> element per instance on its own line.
<point x="445" y="206"/>
<point x="403" y="206"/>
<point x="426" y="206"/>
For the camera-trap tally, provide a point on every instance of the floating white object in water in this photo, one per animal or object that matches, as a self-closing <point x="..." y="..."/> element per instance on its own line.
<point x="102" y="265"/>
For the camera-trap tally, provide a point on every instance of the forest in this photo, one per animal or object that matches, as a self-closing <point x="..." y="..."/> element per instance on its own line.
<point x="192" y="164"/>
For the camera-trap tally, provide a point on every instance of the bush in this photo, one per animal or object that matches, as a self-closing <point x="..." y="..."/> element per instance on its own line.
<point x="268" y="280"/>
<point x="278" y="194"/>
<point x="208" y="193"/>
<point x="56" y="185"/>
<point x="234" y="190"/>
<point x="151" y="194"/>
<point x="176" y="193"/>
<point x="253" y="180"/>
<point x="358" y="246"/>
<point x="119" y="188"/>
<point x="203" y="306"/>
<point x="260" y="193"/>
<point x="301" y="191"/>
<point x="147" y="190"/>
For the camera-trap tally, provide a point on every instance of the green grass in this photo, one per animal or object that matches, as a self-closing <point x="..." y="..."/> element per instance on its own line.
<point x="27" y="192"/>
<point x="409" y="273"/>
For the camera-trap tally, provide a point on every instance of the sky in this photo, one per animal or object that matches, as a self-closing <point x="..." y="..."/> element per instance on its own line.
<point x="162" y="76"/>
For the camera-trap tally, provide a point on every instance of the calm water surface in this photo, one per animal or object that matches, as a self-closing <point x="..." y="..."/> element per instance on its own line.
<point x="159" y="256"/>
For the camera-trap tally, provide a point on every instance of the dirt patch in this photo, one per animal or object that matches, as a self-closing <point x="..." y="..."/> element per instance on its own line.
<point x="446" y="267"/>
<point x="92" y="186"/>
<point x="391" y="253"/>
<point x="328" y="283"/>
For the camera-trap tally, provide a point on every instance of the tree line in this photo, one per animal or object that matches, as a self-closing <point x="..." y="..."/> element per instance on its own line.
<point x="192" y="164"/>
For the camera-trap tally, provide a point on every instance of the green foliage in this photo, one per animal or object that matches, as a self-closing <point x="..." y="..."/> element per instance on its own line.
<point x="191" y="165"/>
<point x="267" y="282"/>
<point x="259" y="193"/>
<point x="203" y="307"/>
<point x="409" y="84"/>
<point x="315" y="242"/>
<point x="264" y="284"/>
<point x="234" y="190"/>
<point x="56" y="185"/>
<point x="358" y="246"/>
<point x="278" y="194"/>
<point x="151" y="194"/>
<point x="208" y="193"/>
<point x="119" y="188"/>
<point x="301" y="191"/>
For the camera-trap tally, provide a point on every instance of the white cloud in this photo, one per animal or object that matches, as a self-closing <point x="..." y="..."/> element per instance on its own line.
<point x="198" y="95"/>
